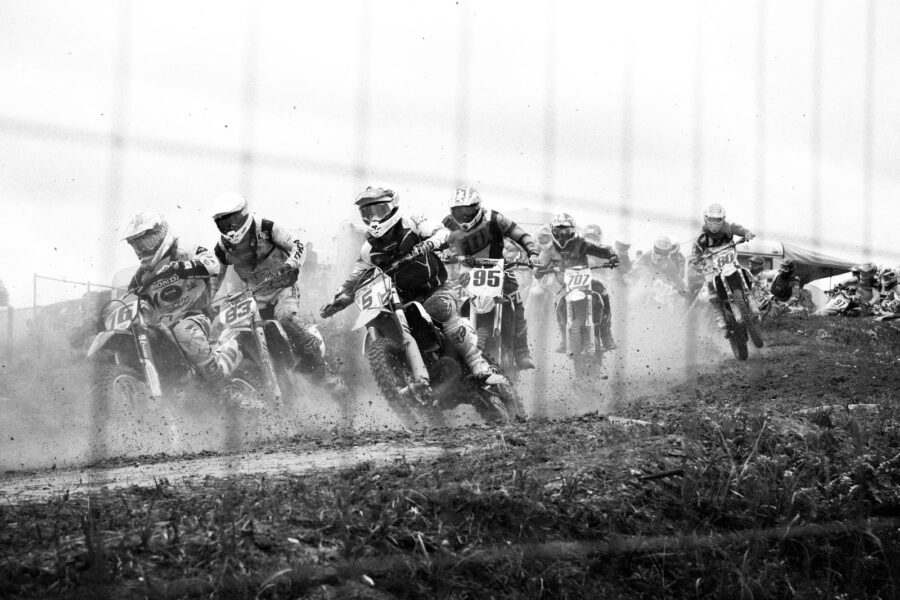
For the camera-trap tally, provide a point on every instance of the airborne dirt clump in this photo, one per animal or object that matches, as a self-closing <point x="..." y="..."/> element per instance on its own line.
<point x="724" y="485"/>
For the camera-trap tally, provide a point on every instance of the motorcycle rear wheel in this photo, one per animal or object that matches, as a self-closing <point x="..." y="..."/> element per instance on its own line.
<point x="391" y="373"/>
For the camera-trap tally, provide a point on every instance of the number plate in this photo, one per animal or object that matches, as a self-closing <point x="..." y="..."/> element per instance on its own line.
<point x="486" y="281"/>
<point x="578" y="279"/>
<point x="374" y="294"/>
<point x="120" y="318"/>
<point x="239" y="312"/>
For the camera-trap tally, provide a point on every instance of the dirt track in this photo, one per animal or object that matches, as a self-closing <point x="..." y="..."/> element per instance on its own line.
<point x="801" y="438"/>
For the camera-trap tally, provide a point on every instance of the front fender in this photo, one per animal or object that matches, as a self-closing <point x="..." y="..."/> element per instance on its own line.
<point x="112" y="337"/>
<point x="381" y="326"/>
<point x="367" y="316"/>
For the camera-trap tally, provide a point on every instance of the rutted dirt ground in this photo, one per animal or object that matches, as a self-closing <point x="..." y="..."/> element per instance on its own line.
<point x="803" y="434"/>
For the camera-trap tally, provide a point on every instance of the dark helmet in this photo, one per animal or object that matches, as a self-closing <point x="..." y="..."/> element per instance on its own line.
<point x="787" y="266"/>
<point x="757" y="263"/>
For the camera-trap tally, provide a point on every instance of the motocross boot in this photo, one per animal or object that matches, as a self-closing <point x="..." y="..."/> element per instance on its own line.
<point x="520" y="342"/>
<point x="221" y="362"/>
<point x="464" y="339"/>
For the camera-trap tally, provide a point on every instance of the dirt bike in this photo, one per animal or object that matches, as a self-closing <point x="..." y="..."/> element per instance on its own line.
<point x="266" y="348"/>
<point x="582" y="333"/>
<point x="732" y="284"/>
<point x="484" y="304"/>
<point x="416" y="368"/>
<point x="841" y="301"/>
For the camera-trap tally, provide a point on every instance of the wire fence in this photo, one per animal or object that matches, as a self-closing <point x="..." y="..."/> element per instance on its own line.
<point x="42" y="321"/>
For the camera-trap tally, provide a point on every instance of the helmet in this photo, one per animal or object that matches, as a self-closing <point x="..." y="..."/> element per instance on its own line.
<point x="594" y="233"/>
<point x="148" y="234"/>
<point x="662" y="248"/>
<point x="379" y="209"/>
<point x="866" y="271"/>
<point x="545" y="238"/>
<point x="232" y="216"/>
<point x="562" y="229"/>
<point x="714" y="217"/>
<point x="787" y="266"/>
<point x="888" y="279"/>
<point x="465" y="207"/>
<point x="757" y="263"/>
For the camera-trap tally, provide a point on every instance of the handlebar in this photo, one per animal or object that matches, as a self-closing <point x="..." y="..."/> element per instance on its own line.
<point x="707" y="254"/>
<point x="541" y="271"/>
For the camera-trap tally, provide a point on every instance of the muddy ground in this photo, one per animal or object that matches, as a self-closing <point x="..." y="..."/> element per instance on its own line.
<point x="776" y="477"/>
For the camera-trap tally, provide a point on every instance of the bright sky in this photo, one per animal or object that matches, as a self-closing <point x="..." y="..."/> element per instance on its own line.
<point x="111" y="107"/>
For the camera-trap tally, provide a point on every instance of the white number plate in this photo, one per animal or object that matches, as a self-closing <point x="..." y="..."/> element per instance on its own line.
<point x="373" y="294"/>
<point x="238" y="313"/>
<point x="486" y="281"/>
<point x="578" y="279"/>
<point x="120" y="318"/>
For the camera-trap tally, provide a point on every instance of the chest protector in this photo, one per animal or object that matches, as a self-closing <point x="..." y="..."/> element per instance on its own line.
<point x="417" y="278"/>
<point x="256" y="258"/>
<point x="782" y="286"/>
<point x="174" y="297"/>
<point x="485" y="240"/>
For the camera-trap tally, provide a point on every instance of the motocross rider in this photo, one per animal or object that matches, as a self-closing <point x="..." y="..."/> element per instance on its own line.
<point x="888" y="301"/>
<point x="391" y="236"/>
<point x="665" y="262"/>
<point x="483" y="233"/>
<point x="716" y="232"/>
<point x="181" y="299"/>
<point x="571" y="250"/>
<point x="786" y="286"/>
<point x="259" y="249"/>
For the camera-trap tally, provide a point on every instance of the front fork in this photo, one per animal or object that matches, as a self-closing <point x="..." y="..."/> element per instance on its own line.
<point x="265" y="359"/>
<point x="410" y="347"/>
<point x="145" y="356"/>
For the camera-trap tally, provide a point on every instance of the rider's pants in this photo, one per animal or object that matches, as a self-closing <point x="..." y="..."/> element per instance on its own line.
<point x="192" y="335"/>
<point x="306" y="341"/>
<point x="442" y="306"/>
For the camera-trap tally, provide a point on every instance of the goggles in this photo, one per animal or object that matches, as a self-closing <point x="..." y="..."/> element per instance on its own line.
<point x="375" y="212"/>
<point x="464" y="214"/>
<point x="230" y="222"/>
<point x="146" y="243"/>
<point x="715" y="219"/>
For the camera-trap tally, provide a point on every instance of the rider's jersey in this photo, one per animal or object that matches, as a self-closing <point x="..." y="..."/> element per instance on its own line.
<point x="575" y="254"/>
<point x="785" y="287"/>
<point x="707" y="239"/>
<point x="259" y="256"/>
<point x="485" y="240"/>
<point x="670" y="270"/>
<point x="425" y="274"/>
<point x="183" y="291"/>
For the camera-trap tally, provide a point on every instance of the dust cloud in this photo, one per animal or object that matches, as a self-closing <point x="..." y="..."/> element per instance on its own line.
<point x="49" y="421"/>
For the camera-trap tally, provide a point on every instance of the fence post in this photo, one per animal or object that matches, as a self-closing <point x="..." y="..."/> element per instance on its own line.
<point x="10" y="315"/>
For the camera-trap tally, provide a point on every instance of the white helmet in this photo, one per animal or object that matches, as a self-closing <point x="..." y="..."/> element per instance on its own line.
<point x="231" y="212"/>
<point x="545" y="238"/>
<point x="562" y="229"/>
<point x="593" y="233"/>
<point x="714" y="218"/>
<point x="379" y="209"/>
<point x="662" y="249"/>
<point x="149" y="236"/>
<point x="465" y="207"/>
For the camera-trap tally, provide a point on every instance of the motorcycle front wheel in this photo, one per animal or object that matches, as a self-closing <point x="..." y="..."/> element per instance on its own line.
<point x="392" y="374"/>
<point x="126" y="418"/>
<point x="738" y="342"/>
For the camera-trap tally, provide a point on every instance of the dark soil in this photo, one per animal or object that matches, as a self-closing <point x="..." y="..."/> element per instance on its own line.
<point x="778" y="477"/>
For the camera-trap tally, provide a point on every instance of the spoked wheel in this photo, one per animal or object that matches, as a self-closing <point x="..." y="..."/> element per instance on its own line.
<point x="392" y="375"/>
<point x="126" y="416"/>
